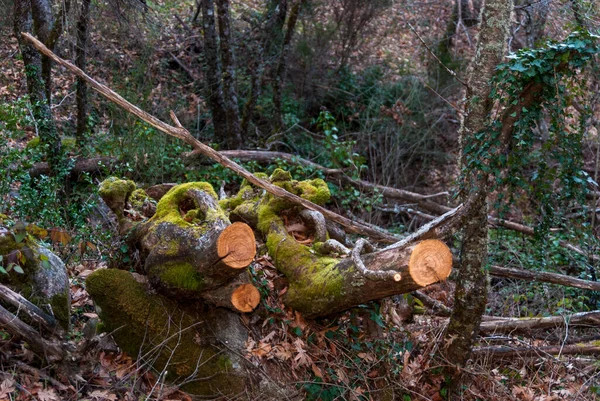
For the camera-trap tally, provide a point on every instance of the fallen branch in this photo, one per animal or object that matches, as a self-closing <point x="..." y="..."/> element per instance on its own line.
<point x="35" y="314"/>
<point x="530" y="323"/>
<point x="505" y="351"/>
<point x="178" y="131"/>
<point x="92" y="166"/>
<point x="50" y="351"/>
<point x="544" y="277"/>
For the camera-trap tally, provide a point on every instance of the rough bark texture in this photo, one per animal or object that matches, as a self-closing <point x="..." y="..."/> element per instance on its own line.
<point x="234" y="138"/>
<point x="472" y="285"/>
<point x="43" y="23"/>
<point x="80" y="61"/>
<point x="35" y="85"/>
<point x="213" y="70"/>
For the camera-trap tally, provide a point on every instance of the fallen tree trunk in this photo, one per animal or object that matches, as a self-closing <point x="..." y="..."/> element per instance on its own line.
<point x="530" y="323"/>
<point x="320" y="285"/>
<point x="544" y="277"/>
<point x="505" y="351"/>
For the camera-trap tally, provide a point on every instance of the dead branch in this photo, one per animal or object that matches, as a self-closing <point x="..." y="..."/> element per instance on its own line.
<point x="505" y="351"/>
<point x="544" y="277"/>
<point x="48" y="350"/>
<point x="35" y="314"/>
<point x="178" y="131"/>
<point x="530" y="323"/>
<point x="93" y="165"/>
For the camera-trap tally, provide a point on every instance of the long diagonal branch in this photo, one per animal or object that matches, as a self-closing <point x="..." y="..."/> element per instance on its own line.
<point x="178" y="131"/>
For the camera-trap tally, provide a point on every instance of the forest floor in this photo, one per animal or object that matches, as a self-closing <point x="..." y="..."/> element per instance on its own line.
<point x="384" y="350"/>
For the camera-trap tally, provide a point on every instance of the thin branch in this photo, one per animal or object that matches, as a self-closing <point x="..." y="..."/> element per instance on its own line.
<point x="452" y="73"/>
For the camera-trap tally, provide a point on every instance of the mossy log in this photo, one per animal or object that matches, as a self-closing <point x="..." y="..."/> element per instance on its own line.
<point x="182" y="341"/>
<point x="321" y="284"/>
<point x="189" y="246"/>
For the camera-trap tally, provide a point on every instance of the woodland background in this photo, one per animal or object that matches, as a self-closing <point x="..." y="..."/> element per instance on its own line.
<point x="365" y="90"/>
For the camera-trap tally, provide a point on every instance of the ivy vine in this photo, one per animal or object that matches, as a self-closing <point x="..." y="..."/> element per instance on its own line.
<point x="547" y="166"/>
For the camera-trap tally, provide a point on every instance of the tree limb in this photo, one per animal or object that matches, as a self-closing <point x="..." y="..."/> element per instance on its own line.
<point x="181" y="133"/>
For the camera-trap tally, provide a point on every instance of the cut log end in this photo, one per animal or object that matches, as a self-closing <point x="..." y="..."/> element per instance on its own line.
<point x="430" y="262"/>
<point x="236" y="245"/>
<point x="245" y="298"/>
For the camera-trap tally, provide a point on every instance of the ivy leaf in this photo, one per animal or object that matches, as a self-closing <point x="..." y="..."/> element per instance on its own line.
<point x="18" y="269"/>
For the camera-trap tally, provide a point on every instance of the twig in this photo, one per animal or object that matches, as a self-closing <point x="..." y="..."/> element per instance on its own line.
<point x="372" y="274"/>
<point x="452" y="73"/>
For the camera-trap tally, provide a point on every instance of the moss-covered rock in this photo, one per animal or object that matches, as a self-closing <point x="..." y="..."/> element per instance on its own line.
<point x="181" y="341"/>
<point x="44" y="280"/>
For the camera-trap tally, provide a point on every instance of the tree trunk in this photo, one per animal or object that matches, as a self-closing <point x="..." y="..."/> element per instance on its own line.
<point x="43" y="23"/>
<point x="279" y="77"/>
<point x="234" y="138"/>
<point x="213" y="71"/>
<point x="80" y="61"/>
<point x="271" y="39"/>
<point x="322" y="284"/>
<point x="472" y="282"/>
<point x="35" y="86"/>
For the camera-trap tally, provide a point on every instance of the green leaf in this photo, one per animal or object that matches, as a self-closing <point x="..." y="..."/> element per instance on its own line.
<point x="2" y="270"/>
<point x="19" y="269"/>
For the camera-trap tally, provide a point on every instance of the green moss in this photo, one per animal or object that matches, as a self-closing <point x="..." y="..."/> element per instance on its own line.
<point x="167" y="209"/>
<point x="60" y="304"/>
<point x="68" y="143"/>
<point x="138" y="198"/>
<point x="245" y="193"/>
<point x="115" y="193"/>
<point x="180" y="276"/>
<point x="314" y="280"/>
<point x="161" y="331"/>
<point x="280" y="175"/>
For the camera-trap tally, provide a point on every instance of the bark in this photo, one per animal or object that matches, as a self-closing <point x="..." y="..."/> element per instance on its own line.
<point x="35" y="86"/>
<point x="213" y="70"/>
<point x="188" y="246"/>
<point x="238" y="295"/>
<point x="43" y="23"/>
<point x="530" y="323"/>
<point x="472" y="282"/>
<point x="80" y="61"/>
<point x="279" y="77"/>
<point x="234" y="138"/>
